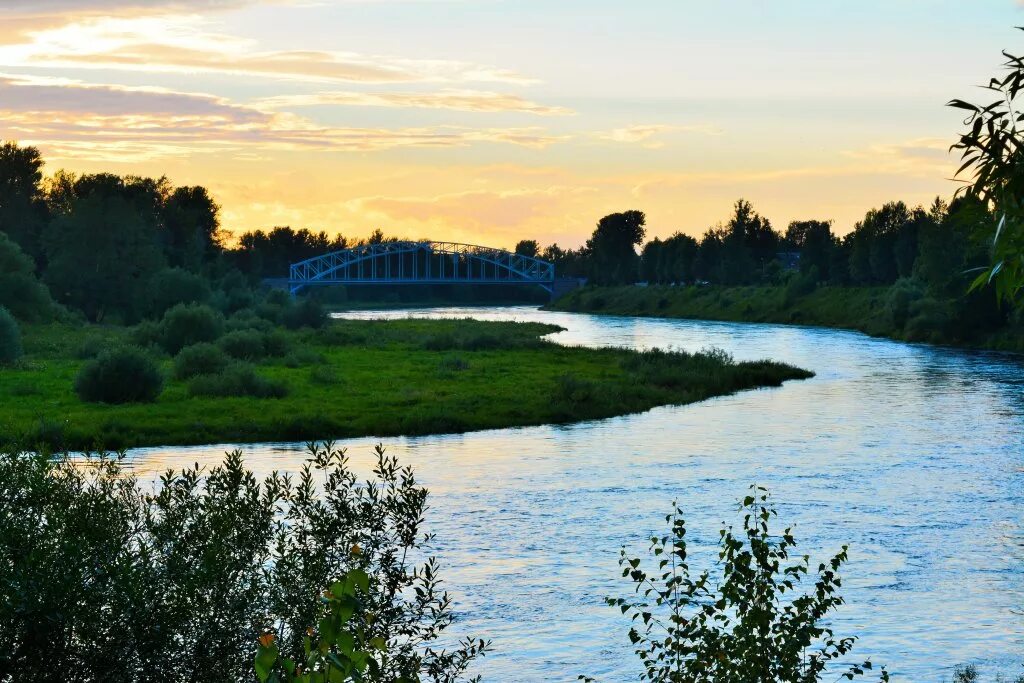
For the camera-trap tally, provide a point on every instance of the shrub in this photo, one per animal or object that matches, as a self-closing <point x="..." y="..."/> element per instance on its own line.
<point x="147" y="333"/>
<point x="306" y="313"/>
<point x="172" y="286"/>
<point x="187" y="324"/>
<point x="174" y="582"/>
<point x="239" y="379"/>
<point x="203" y="358"/>
<point x="21" y="293"/>
<point x="900" y="299"/>
<point x="11" y="349"/>
<point x="121" y="375"/>
<point x="276" y="343"/>
<point x="800" y="285"/>
<point x="246" y="319"/>
<point x="750" y="624"/>
<point x="243" y="344"/>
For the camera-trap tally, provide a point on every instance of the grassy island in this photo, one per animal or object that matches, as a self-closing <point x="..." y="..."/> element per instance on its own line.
<point x="357" y="378"/>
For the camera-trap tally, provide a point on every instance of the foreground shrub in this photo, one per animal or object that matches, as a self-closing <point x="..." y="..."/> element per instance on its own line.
<point x="749" y="624"/>
<point x="10" y="338"/>
<point x="121" y="375"/>
<point x="187" y="324"/>
<point x="238" y="379"/>
<point x="176" y="584"/>
<point x="200" y="359"/>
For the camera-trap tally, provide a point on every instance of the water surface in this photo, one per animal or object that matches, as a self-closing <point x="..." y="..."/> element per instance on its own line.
<point x="913" y="455"/>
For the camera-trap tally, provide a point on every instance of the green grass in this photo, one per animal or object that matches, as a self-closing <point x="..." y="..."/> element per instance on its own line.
<point x="856" y="308"/>
<point x="358" y="378"/>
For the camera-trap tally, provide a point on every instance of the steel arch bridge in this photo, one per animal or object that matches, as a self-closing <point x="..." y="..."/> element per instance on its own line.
<point x="421" y="263"/>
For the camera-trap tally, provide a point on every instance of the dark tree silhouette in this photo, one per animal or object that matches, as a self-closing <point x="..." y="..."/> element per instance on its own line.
<point x="527" y="248"/>
<point x="612" y="247"/>
<point x="23" y="210"/>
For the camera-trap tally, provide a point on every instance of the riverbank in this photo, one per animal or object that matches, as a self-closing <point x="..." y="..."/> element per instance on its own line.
<point x="872" y="310"/>
<point x="362" y="378"/>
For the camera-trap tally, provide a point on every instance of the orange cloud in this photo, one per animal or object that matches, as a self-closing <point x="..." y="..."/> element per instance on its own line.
<point x="459" y="100"/>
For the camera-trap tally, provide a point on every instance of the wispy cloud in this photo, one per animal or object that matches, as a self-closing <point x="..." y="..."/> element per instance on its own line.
<point x="186" y="46"/>
<point x="458" y="100"/>
<point x="107" y="122"/>
<point x="645" y="134"/>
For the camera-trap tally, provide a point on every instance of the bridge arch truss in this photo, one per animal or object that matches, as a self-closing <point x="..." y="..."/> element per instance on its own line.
<point x="423" y="263"/>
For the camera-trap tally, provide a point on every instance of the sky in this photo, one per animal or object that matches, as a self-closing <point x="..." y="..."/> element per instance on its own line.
<point x="491" y="121"/>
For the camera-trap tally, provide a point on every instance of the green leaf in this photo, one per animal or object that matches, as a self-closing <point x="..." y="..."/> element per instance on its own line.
<point x="360" y="579"/>
<point x="265" y="659"/>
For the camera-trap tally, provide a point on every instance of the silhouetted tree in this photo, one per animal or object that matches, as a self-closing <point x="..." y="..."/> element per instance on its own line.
<point x="612" y="247"/>
<point x="527" y="248"/>
<point x="191" y="231"/>
<point x="103" y="245"/>
<point x="671" y="260"/>
<point x="23" y="210"/>
<point x="260" y="254"/>
<point x="815" y="242"/>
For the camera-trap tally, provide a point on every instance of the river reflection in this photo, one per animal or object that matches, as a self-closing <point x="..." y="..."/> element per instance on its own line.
<point x="912" y="455"/>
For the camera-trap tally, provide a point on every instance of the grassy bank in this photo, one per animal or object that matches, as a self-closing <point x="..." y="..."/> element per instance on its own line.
<point x="878" y="311"/>
<point x="356" y="378"/>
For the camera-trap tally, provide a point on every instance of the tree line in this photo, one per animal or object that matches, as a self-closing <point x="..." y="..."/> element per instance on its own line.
<point x="933" y="245"/>
<point x="123" y="248"/>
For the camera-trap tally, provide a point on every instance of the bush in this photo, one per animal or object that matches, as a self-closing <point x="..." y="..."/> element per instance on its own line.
<point x="276" y="343"/>
<point x="121" y="375"/>
<point x="11" y="349"/>
<point x="800" y="285"/>
<point x="21" y="293"/>
<point x="306" y="313"/>
<point x="239" y="379"/>
<point x="900" y="300"/>
<point x="174" y="582"/>
<point x="749" y="625"/>
<point x="147" y="333"/>
<point x="172" y="286"/>
<point x="246" y="319"/>
<point x="243" y="344"/>
<point x="199" y="359"/>
<point x="187" y="324"/>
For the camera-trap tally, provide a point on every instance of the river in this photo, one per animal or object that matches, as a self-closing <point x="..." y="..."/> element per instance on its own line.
<point x="913" y="455"/>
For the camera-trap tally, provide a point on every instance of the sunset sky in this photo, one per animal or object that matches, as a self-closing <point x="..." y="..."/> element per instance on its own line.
<point x="489" y="121"/>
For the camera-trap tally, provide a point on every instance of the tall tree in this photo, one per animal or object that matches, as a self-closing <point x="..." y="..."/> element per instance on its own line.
<point x="23" y="212"/>
<point x="102" y="249"/>
<point x="815" y="242"/>
<point x="612" y="247"/>
<point x="527" y="248"/>
<point x="191" y="231"/>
